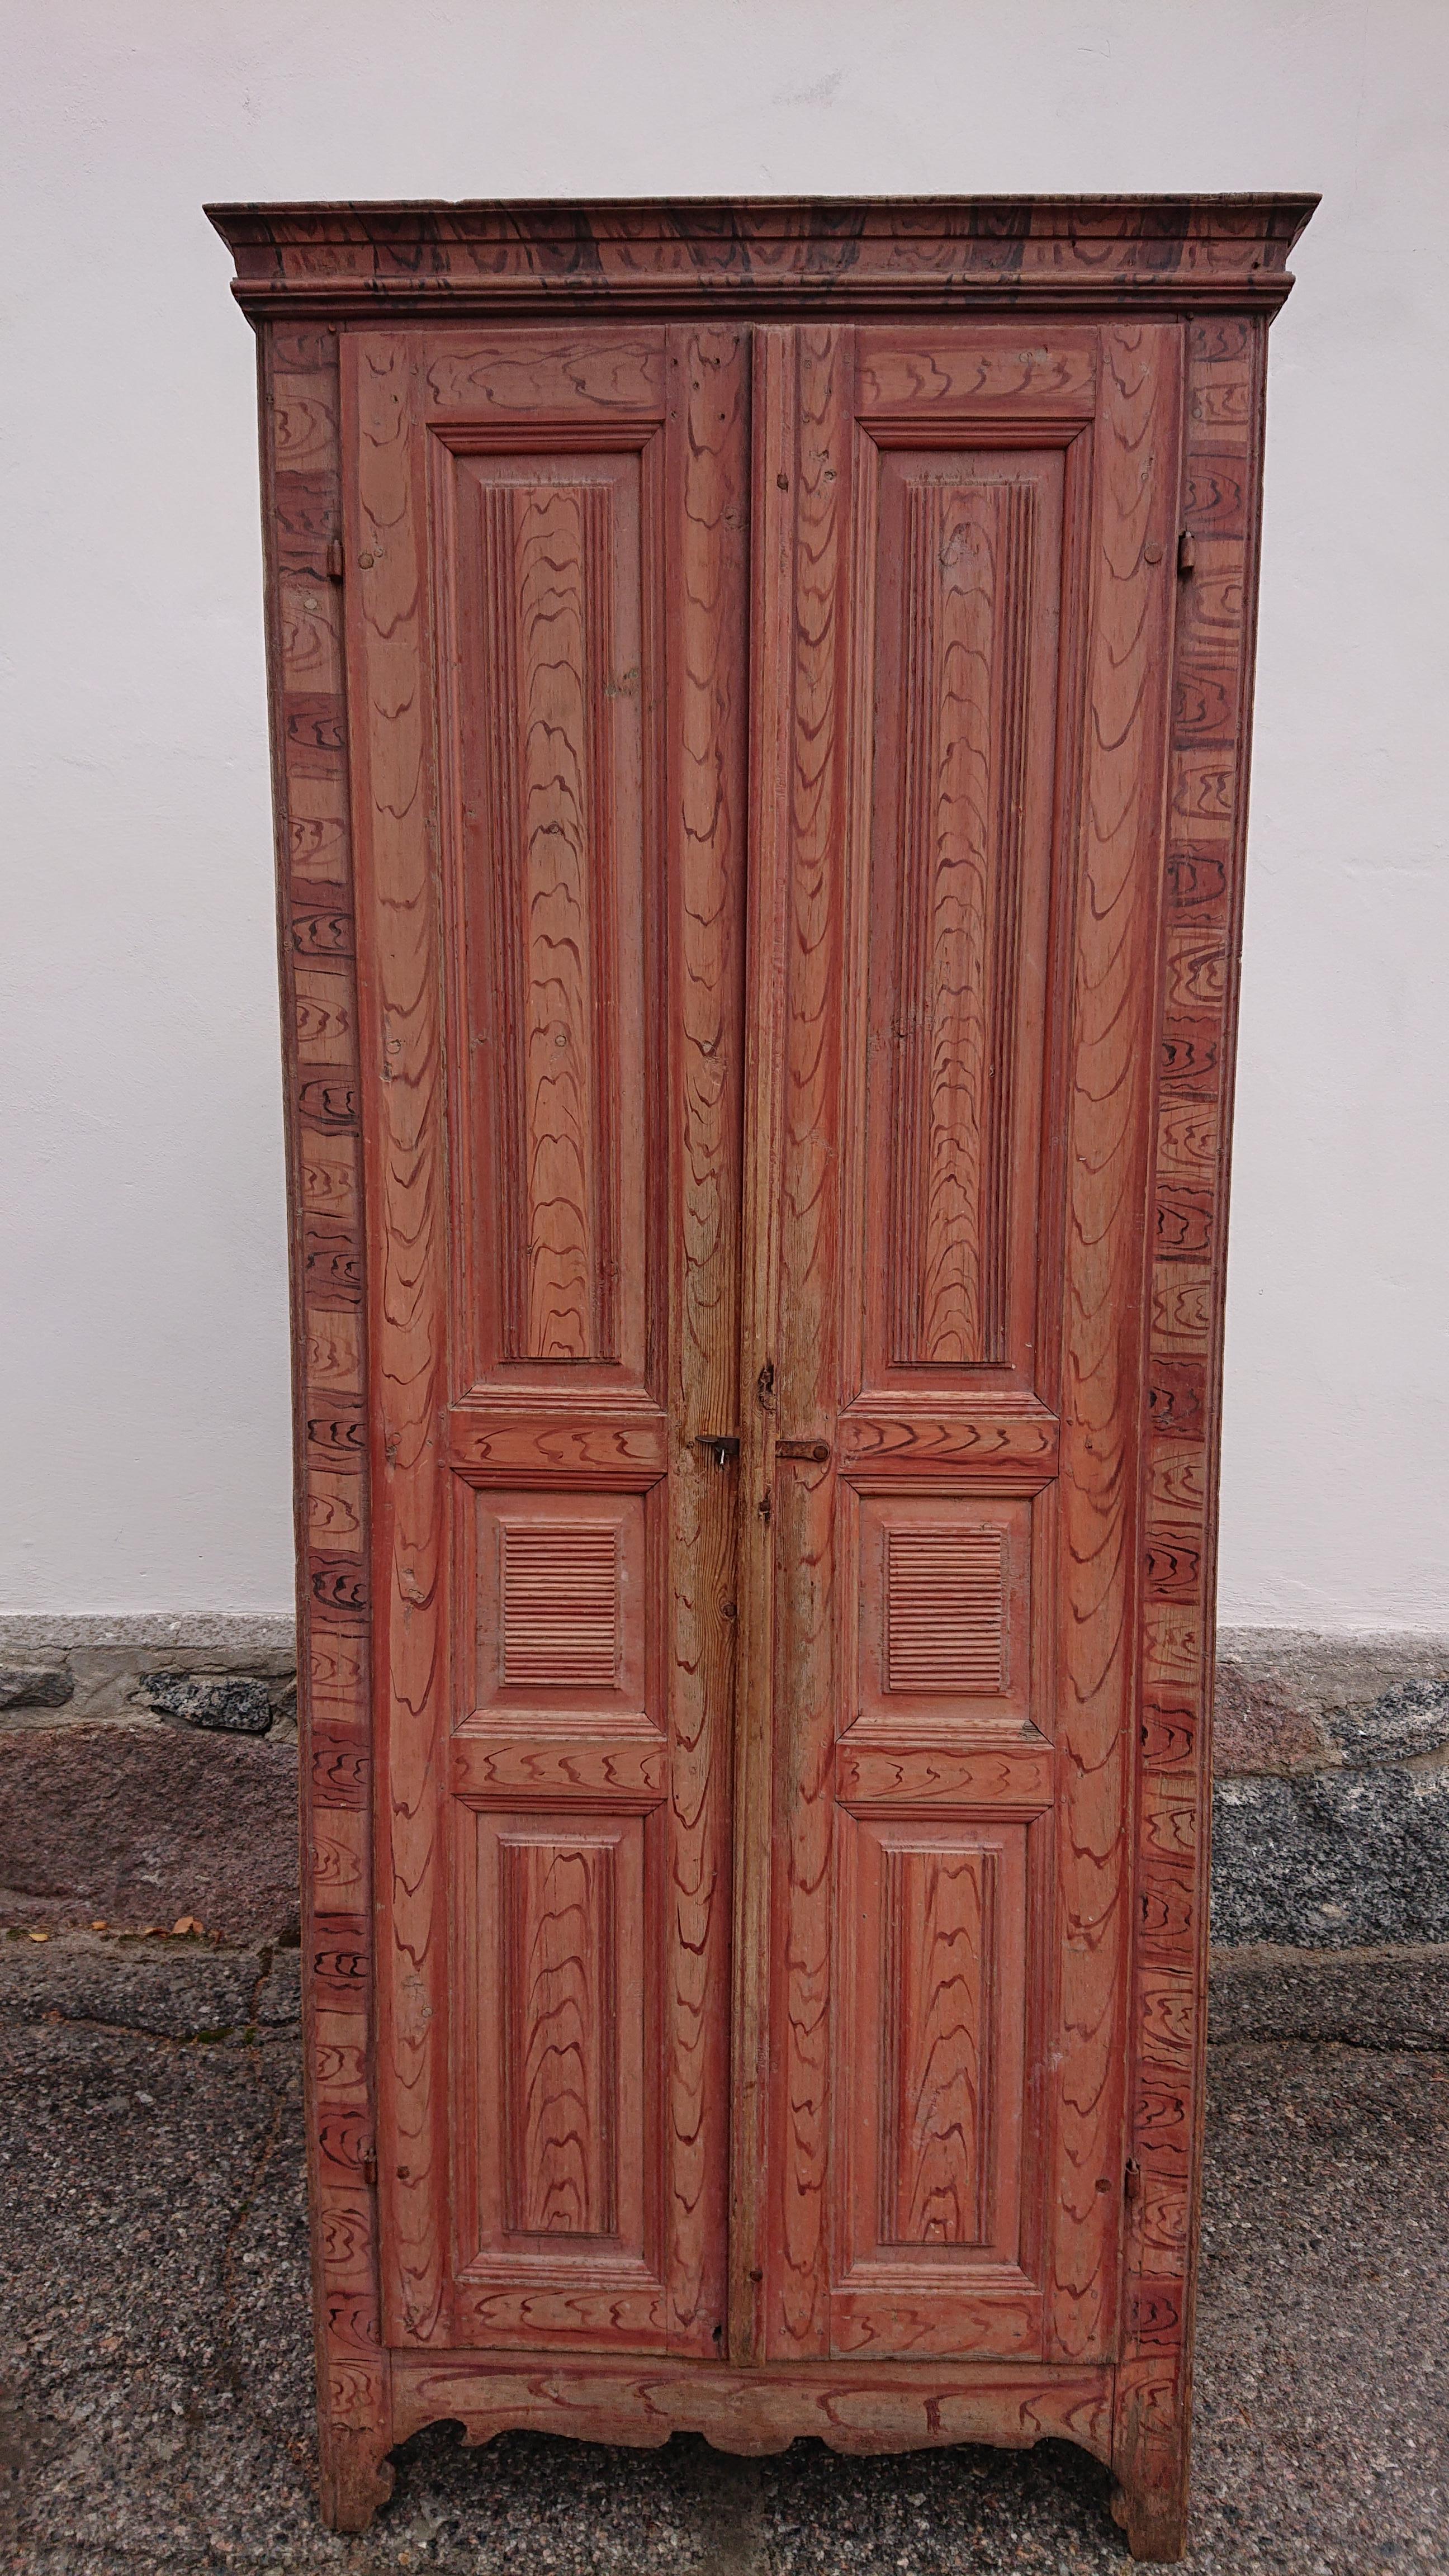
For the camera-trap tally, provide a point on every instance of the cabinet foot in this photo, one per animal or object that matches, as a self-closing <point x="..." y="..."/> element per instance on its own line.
<point x="1154" y="2520"/>
<point x="356" y="2477"/>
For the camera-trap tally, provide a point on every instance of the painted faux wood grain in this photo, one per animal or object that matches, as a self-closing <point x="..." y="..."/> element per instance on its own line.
<point x="876" y="2028"/>
<point x="941" y="1928"/>
<point x="549" y="614"/>
<point x="706" y="770"/>
<point x="815" y="458"/>
<point x="302" y="487"/>
<point x="960" y="581"/>
<point x="1120" y="802"/>
<point x="559" y="1970"/>
<point x="390" y="646"/>
<point x="859" y="2407"/>
<point x="1202" y="911"/>
<point x="966" y="552"/>
<point x="1036" y="252"/>
<point x="772" y="416"/>
<point x="580" y="866"/>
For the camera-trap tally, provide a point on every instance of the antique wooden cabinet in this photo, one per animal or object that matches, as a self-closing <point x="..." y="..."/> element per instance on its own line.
<point x="760" y="700"/>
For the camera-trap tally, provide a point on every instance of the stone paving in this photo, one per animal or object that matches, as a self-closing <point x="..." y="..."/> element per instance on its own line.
<point x="156" y="2367"/>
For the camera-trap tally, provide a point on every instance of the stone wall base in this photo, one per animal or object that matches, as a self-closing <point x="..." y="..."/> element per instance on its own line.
<point x="148" y="1775"/>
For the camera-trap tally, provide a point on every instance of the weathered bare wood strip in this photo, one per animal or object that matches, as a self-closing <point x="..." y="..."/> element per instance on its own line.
<point x="772" y="408"/>
<point x="707" y="374"/>
<point x="806" y="1349"/>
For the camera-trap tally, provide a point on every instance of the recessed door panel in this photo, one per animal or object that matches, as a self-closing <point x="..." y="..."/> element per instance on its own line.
<point x="932" y="2153"/>
<point x="556" y="2119"/>
<point x="558" y="862"/>
<point x="958" y="599"/>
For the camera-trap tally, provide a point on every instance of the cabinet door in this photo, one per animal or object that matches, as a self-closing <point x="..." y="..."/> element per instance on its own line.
<point x="962" y="645"/>
<point x="546" y="607"/>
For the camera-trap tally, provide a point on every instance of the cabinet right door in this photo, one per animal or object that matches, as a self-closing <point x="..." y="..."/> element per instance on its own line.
<point x="965" y="575"/>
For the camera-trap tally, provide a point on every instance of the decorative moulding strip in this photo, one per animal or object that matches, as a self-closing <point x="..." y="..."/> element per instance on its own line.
<point x="1221" y="251"/>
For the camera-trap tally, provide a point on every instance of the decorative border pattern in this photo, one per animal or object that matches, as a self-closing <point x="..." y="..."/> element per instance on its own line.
<point x="1198" y="986"/>
<point x="302" y="515"/>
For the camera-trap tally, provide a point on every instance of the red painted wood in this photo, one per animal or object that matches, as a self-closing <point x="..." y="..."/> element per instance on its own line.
<point x="760" y="830"/>
<point x="554" y="934"/>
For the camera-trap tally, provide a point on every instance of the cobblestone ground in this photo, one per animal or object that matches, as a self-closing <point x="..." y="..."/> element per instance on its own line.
<point x="156" y="2366"/>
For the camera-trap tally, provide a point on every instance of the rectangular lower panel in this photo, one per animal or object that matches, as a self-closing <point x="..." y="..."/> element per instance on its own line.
<point x="555" y="2097"/>
<point x="930" y="2128"/>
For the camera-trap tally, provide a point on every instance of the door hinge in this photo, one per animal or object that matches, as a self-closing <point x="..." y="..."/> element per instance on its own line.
<point x="1132" y="2180"/>
<point x="369" y="2167"/>
<point x="817" y="1451"/>
<point x="334" y="559"/>
<point x="1186" y="553"/>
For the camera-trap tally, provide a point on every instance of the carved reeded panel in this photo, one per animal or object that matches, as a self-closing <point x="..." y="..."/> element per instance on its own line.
<point x="560" y="1607"/>
<point x="560" y="1623"/>
<point x="549" y="608"/>
<point x="941" y="1612"/>
<point x="945" y="1608"/>
<point x="965" y="582"/>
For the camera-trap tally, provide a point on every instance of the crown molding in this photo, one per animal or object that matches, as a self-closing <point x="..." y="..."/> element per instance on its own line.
<point x="752" y="254"/>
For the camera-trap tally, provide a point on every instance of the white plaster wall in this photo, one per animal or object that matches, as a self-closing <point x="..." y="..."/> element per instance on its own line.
<point x="145" y="1458"/>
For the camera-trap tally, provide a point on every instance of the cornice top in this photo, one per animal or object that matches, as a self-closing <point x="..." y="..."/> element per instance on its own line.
<point x="1219" y="254"/>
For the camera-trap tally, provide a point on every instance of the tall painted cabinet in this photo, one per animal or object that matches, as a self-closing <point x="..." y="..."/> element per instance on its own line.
<point x="760" y="716"/>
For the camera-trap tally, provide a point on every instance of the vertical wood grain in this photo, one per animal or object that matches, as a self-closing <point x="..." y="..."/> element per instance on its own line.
<point x="559" y="1970"/>
<point x="772" y="379"/>
<point x="1114" y="928"/>
<point x="554" y="542"/>
<point x="708" y="524"/>
<point x="967" y="576"/>
<point x="547" y="578"/>
<point x="962" y="547"/>
<point x="815" y="457"/>
<point x="940" y="1936"/>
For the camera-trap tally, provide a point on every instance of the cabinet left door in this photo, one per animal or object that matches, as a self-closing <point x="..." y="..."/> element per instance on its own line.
<point x="547" y="535"/>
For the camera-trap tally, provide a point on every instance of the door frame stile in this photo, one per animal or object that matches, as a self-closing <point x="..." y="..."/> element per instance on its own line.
<point x="773" y="422"/>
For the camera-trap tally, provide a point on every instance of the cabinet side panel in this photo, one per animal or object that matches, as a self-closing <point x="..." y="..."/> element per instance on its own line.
<point x="302" y="515"/>
<point x="1198" y="995"/>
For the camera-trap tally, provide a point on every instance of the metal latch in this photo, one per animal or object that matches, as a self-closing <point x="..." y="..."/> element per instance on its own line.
<point x="722" y="1446"/>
